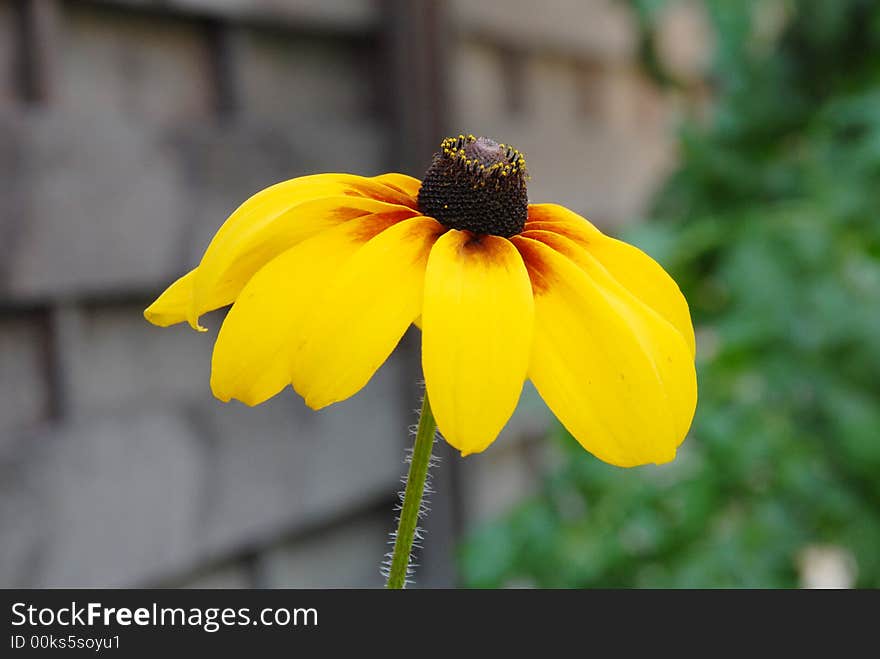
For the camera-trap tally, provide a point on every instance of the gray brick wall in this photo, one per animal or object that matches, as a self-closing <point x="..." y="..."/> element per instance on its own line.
<point x="129" y="129"/>
<point x="564" y="82"/>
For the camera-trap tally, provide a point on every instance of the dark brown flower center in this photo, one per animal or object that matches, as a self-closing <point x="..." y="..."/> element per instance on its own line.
<point x="474" y="183"/>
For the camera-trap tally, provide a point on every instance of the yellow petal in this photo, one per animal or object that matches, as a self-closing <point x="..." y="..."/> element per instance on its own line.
<point x="361" y="314"/>
<point x="268" y="203"/>
<point x="618" y="376"/>
<point x="406" y="184"/>
<point x="476" y="332"/>
<point x="638" y="272"/>
<point x="253" y="352"/>
<point x="276" y="219"/>
<point x="171" y="307"/>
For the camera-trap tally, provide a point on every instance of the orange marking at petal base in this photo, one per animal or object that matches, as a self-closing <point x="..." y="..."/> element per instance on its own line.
<point x="540" y="273"/>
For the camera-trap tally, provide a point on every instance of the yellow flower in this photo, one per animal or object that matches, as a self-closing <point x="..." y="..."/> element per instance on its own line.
<point x="325" y="274"/>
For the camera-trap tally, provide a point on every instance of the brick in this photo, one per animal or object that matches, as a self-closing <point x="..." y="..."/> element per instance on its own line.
<point x="105" y="502"/>
<point x="101" y="206"/>
<point x="140" y="66"/>
<point x="477" y="84"/>
<point x="147" y="199"/>
<point x="282" y="466"/>
<point x="348" y="555"/>
<point x="24" y="399"/>
<point x="114" y="359"/>
<point x="551" y="90"/>
<point x="286" y="77"/>
<point x="639" y="120"/>
<point x="685" y="41"/>
<point x="592" y="28"/>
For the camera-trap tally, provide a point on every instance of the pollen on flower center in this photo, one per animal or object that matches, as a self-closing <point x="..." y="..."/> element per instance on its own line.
<point x="477" y="184"/>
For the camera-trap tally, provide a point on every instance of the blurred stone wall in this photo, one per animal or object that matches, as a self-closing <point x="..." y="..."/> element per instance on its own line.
<point x="129" y="129"/>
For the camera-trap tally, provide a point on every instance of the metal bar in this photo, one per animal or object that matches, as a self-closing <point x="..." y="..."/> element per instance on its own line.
<point x="220" y="40"/>
<point x="36" y="30"/>
<point x="415" y="98"/>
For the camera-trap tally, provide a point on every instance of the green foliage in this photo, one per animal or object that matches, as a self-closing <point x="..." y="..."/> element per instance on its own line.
<point x="772" y="227"/>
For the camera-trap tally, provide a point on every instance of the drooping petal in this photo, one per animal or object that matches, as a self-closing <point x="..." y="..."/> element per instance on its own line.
<point x="476" y="332"/>
<point x="635" y="270"/>
<point x="272" y="227"/>
<point x="253" y="352"/>
<point x="302" y="222"/>
<point x="267" y="204"/>
<point x="362" y="313"/>
<point x="171" y="307"/>
<point x="617" y="374"/>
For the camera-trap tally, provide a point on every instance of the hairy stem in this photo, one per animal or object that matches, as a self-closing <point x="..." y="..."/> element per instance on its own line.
<point x="412" y="497"/>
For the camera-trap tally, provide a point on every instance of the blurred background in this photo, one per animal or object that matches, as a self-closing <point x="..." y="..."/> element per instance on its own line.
<point x="736" y="142"/>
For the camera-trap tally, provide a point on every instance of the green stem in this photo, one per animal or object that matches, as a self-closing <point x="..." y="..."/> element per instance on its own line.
<point x="412" y="497"/>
